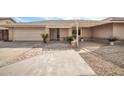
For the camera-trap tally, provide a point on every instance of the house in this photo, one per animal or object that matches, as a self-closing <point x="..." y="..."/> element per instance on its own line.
<point x="11" y="30"/>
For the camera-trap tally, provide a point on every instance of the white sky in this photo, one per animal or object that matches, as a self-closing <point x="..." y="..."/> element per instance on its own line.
<point x="62" y="8"/>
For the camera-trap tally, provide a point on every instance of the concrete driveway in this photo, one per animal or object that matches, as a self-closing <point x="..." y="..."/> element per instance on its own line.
<point x="52" y="61"/>
<point x="10" y="51"/>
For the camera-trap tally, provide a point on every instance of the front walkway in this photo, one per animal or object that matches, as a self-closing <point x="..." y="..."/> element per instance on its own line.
<point x="55" y="59"/>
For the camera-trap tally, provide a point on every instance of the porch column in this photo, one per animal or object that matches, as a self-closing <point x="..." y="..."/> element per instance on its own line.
<point x="81" y="31"/>
<point x="47" y="32"/>
<point x="13" y="34"/>
<point x="70" y="32"/>
<point x="0" y="35"/>
<point x="77" y="28"/>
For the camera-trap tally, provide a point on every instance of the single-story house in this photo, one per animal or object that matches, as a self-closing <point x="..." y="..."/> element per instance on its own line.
<point x="10" y="30"/>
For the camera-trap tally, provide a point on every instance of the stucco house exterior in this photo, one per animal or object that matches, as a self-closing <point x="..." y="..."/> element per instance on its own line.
<point x="10" y="30"/>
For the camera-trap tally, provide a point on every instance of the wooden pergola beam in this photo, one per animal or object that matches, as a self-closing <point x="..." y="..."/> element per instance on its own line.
<point x="77" y="29"/>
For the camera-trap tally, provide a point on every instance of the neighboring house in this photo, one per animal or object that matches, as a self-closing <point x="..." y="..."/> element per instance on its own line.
<point x="60" y="29"/>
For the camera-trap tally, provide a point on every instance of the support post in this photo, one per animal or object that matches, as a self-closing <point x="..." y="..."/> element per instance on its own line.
<point x="77" y="28"/>
<point x="47" y="32"/>
<point x="12" y="34"/>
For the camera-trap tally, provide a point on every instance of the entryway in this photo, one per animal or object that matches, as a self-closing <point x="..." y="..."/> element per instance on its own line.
<point x="4" y="35"/>
<point x="54" y="34"/>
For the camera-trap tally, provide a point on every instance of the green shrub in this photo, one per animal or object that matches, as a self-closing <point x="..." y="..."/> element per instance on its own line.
<point x="69" y="39"/>
<point x="81" y="38"/>
<point x="112" y="39"/>
<point x="44" y="36"/>
<point x="74" y="36"/>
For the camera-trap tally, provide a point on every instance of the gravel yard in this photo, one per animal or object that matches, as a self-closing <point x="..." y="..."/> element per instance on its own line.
<point x="114" y="54"/>
<point x="104" y="59"/>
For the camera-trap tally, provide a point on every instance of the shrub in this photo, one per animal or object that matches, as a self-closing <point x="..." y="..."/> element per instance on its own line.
<point x="70" y="38"/>
<point x="44" y="36"/>
<point x="112" y="39"/>
<point x="74" y="36"/>
<point x="81" y="38"/>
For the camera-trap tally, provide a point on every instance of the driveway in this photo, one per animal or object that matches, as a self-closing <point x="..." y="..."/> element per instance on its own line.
<point x="53" y="59"/>
<point x="10" y="51"/>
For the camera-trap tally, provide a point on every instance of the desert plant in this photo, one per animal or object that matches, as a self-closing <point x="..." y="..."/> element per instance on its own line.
<point x="82" y="39"/>
<point x="74" y="36"/>
<point x="69" y="39"/>
<point x="112" y="39"/>
<point x="44" y="36"/>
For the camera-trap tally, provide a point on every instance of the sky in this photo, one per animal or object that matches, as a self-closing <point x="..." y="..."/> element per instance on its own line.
<point x="32" y="19"/>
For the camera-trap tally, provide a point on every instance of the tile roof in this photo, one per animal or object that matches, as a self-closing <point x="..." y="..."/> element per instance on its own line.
<point x="82" y="23"/>
<point x="4" y="18"/>
<point x="115" y="19"/>
<point x="68" y="23"/>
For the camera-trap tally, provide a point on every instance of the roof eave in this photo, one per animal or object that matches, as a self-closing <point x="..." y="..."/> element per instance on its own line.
<point x="22" y="25"/>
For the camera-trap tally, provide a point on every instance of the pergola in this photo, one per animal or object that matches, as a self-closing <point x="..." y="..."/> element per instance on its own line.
<point x="77" y="28"/>
<point x="3" y="28"/>
<point x="79" y="24"/>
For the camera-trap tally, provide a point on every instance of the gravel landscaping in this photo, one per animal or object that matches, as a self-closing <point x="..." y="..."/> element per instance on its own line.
<point x="104" y="59"/>
<point x="114" y="54"/>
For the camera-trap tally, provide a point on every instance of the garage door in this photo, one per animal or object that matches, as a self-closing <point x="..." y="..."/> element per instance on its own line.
<point x="28" y="34"/>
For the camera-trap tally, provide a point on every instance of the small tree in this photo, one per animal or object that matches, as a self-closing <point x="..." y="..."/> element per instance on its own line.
<point x="112" y="40"/>
<point x="44" y="36"/>
<point x="69" y="39"/>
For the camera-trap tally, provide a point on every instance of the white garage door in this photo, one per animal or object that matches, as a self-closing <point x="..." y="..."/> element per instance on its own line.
<point x="28" y="34"/>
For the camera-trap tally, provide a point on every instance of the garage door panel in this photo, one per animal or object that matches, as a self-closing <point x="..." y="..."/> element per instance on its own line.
<point x="28" y="34"/>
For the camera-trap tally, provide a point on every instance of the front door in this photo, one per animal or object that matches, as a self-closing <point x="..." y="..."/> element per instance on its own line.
<point x="1" y="35"/>
<point x="4" y="35"/>
<point x="54" y="34"/>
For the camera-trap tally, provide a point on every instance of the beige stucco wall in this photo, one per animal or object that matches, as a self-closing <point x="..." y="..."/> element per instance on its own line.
<point x="32" y="33"/>
<point x="10" y="34"/>
<point x="102" y="31"/>
<point x="28" y="34"/>
<point x="85" y="32"/>
<point x="47" y="31"/>
<point x="70" y="32"/>
<point x="118" y="30"/>
<point x="6" y="21"/>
